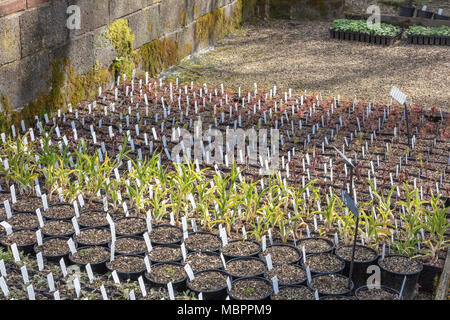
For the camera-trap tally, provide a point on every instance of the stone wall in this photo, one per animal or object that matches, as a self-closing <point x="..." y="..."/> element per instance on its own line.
<point x="44" y="64"/>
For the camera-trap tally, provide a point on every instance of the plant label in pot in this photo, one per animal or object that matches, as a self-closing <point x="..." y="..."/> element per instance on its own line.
<point x="142" y="286"/>
<point x="15" y="252"/>
<point x="103" y="291"/>
<point x="4" y="287"/>
<point x="89" y="273"/>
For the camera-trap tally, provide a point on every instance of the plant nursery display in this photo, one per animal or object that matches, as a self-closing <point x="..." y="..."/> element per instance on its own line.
<point x="166" y="190"/>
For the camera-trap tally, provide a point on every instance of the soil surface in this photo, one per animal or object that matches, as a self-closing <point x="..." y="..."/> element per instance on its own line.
<point x="301" y="56"/>
<point x="294" y="293"/>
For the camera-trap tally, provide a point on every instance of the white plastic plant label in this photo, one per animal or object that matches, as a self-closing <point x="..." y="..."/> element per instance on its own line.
<point x="115" y="277"/>
<point x="142" y="286"/>
<point x="189" y="271"/>
<point x="148" y="266"/>
<point x="6" y="226"/>
<point x="184" y="224"/>
<point x="13" y="194"/>
<point x="24" y="272"/>
<point x="170" y="289"/>
<point x="316" y="294"/>
<point x="76" y="283"/>
<point x="40" y="219"/>
<point x="4" y="286"/>
<point x="263" y="243"/>
<point x="275" y="285"/>
<point x="62" y="264"/>
<point x="308" y="274"/>
<point x="30" y="291"/>
<point x="75" y="208"/>
<point x="44" y="202"/>
<point x="398" y="95"/>
<point x="148" y="243"/>
<point x="223" y="236"/>
<point x="112" y="250"/>
<point x="223" y="260"/>
<point x="7" y="209"/>
<point x="103" y="291"/>
<point x="15" y="252"/>
<point x="228" y="283"/>
<point x="81" y="200"/>
<point x="56" y="295"/>
<point x="269" y="262"/>
<point x="3" y="268"/>
<point x="172" y="219"/>
<point x="89" y="273"/>
<point x="183" y="251"/>
<point x="244" y="233"/>
<point x="39" y="237"/>
<point x="71" y="245"/>
<point x="51" y="282"/>
<point x="76" y="227"/>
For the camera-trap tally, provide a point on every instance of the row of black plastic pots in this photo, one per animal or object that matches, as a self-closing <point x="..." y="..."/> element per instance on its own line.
<point x="244" y="261"/>
<point x="364" y="37"/>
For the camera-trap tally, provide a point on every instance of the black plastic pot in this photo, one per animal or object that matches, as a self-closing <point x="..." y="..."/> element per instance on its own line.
<point x="429" y="277"/>
<point x="263" y="257"/>
<point x="219" y="294"/>
<point x="216" y="249"/>
<point x="29" y="214"/>
<point x="24" y="211"/>
<point x="179" y="260"/>
<point x="56" y="258"/>
<point x="162" y="243"/>
<point x="313" y="273"/>
<point x="365" y="288"/>
<point x="81" y="244"/>
<point x="359" y="275"/>
<point x="299" y="245"/>
<point x="395" y="280"/>
<point x="87" y="212"/>
<point x="406" y="11"/>
<point x="141" y="253"/>
<point x="26" y="248"/>
<point x="137" y="234"/>
<point x="424" y="14"/>
<point x="179" y="285"/>
<point x="441" y="17"/>
<point x="233" y="276"/>
<point x="337" y="297"/>
<point x="98" y="268"/>
<point x="303" y="282"/>
<point x="68" y="218"/>
<point x="291" y="286"/>
<point x="267" y="297"/>
<point x="256" y="254"/>
<point x="344" y="293"/>
<point x="124" y="276"/>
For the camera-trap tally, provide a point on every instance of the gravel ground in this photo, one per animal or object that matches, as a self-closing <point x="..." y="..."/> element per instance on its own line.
<point x="301" y="56"/>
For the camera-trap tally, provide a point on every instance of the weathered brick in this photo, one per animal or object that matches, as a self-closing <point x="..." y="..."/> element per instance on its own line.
<point x="145" y="25"/>
<point x="8" y="7"/>
<point x="121" y="8"/>
<point x="36" y="3"/>
<point x="173" y="15"/>
<point x="9" y="39"/>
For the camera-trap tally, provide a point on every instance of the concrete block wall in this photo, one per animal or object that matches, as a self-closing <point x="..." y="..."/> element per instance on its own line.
<point x="33" y="33"/>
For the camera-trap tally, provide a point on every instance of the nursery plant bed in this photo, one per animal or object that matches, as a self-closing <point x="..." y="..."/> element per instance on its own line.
<point x="251" y="288"/>
<point x="294" y="292"/>
<point x="211" y="283"/>
<point x="428" y="40"/>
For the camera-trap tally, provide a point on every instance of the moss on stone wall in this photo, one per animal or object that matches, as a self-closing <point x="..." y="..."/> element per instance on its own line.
<point x="122" y="38"/>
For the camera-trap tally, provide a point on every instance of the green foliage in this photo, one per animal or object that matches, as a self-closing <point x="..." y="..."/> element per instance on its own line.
<point x="361" y="26"/>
